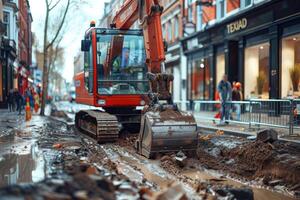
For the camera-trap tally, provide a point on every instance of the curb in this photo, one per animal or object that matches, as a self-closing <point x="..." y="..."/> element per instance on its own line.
<point x="210" y="130"/>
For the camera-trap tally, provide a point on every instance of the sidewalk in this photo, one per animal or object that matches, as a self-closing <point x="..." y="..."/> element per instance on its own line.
<point x="242" y="130"/>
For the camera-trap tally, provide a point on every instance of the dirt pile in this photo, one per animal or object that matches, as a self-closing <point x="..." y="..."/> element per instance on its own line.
<point x="251" y="157"/>
<point x="277" y="164"/>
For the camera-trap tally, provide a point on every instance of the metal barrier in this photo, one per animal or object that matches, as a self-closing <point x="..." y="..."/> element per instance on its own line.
<point x="277" y="113"/>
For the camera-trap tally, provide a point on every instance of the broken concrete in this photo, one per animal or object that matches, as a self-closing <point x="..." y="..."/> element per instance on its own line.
<point x="267" y="135"/>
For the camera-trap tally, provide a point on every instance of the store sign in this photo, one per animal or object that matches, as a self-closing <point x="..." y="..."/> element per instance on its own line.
<point x="237" y="26"/>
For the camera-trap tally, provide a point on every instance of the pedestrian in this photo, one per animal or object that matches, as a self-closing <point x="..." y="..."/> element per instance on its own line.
<point x="237" y="96"/>
<point x="36" y="102"/>
<point x="225" y="92"/>
<point x="218" y="107"/>
<point x="18" y="100"/>
<point x="10" y="100"/>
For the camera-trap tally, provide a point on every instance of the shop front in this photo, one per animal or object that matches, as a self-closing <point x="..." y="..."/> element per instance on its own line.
<point x="259" y="47"/>
<point x="8" y="55"/>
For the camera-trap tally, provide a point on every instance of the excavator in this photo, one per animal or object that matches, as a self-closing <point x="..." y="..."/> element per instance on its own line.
<point x="124" y="77"/>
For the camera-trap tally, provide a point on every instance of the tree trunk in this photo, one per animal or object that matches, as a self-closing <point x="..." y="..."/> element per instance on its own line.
<point x="45" y="64"/>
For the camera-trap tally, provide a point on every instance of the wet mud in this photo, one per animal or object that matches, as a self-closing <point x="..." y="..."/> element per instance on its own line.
<point x="61" y="163"/>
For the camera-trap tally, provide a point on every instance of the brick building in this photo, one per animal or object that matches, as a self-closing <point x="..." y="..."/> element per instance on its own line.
<point x="15" y="47"/>
<point x="8" y="50"/>
<point x="24" y="45"/>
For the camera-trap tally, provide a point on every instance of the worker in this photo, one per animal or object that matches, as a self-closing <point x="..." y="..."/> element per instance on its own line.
<point x="225" y="92"/>
<point x="237" y="96"/>
<point x="121" y="63"/>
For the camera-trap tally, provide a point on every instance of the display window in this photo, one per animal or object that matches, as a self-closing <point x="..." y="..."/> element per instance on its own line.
<point x="290" y="66"/>
<point x="220" y="68"/>
<point x="257" y="71"/>
<point x="199" y="79"/>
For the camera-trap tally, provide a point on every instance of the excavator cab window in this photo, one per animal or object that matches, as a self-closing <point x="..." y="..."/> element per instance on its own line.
<point x="121" y="62"/>
<point x="86" y="47"/>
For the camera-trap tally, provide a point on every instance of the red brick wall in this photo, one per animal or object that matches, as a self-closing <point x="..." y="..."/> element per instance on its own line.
<point x="208" y="13"/>
<point x="24" y="31"/>
<point x="232" y="5"/>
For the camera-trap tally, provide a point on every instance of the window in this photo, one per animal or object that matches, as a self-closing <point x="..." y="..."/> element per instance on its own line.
<point x="199" y="18"/>
<point x="176" y="28"/>
<point x="290" y="66"/>
<point x="257" y="71"/>
<point x="221" y="9"/>
<point x="6" y="22"/>
<point x="121" y="64"/>
<point x="246" y="3"/>
<point x="199" y="80"/>
<point x="190" y="11"/>
<point x="220" y="67"/>
<point x="169" y="31"/>
<point x="164" y="31"/>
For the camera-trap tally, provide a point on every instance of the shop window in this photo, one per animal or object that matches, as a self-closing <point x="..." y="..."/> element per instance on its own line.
<point x="290" y="66"/>
<point x="199" y="80"/>
<point x="220" y="67"/>
<point x="257" y="71"/>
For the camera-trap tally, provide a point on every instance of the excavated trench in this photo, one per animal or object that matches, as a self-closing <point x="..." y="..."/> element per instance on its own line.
<point x="208" y="171"/>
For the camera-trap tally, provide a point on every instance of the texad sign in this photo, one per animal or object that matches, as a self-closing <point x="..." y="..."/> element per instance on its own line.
<point x="237" y="25"/>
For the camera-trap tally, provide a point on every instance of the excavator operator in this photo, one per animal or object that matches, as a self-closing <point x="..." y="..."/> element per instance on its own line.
<point x="121" y="64"/>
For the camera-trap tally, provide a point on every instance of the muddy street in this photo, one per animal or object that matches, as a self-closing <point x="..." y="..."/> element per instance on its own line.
<point x="47" y="158"/>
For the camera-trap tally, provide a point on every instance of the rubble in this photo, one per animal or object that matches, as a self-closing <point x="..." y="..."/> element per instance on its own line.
<point x="79" y="168"/>
<point x="267" y="135"/>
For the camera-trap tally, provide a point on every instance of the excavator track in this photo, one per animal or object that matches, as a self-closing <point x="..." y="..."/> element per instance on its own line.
<point x="99" y="125"/>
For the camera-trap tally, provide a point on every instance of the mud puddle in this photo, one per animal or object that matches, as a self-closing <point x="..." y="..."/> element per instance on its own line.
<point x="217" y="178"/>
<point x="22" y="166"/>
<point x="138" y="168"/>
<point x="22" y="160"/>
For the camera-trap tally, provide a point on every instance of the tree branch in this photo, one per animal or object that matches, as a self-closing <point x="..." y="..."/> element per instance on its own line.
<point x="60" y="25"/>
<point x="52" y="7"/>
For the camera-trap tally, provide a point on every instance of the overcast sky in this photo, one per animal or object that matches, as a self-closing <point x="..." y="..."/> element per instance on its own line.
<point x="92" y="11"/>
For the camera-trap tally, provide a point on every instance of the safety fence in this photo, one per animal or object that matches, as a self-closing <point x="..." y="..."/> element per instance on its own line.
<point x="277" y="113"/>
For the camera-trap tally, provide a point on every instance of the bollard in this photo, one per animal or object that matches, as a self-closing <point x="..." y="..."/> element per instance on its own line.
<point x="27" y="110"/>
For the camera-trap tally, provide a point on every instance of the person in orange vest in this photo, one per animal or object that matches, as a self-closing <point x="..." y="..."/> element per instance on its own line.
<point x="27" y="110"/>
<point x="218" y="106"/>
<point x="36" y="102"/>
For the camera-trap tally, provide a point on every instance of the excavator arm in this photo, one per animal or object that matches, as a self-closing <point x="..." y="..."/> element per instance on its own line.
<point x="163" y="126"/>
<point x="147" y="13"/>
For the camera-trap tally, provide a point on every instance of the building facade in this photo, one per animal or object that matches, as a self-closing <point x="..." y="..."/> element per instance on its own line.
<point x="255" y="42"/>
<point x="15" y="47"/>
<point x="9" y="49"/>
<point x="24" y="47"/>
<point x="171" y="20"/>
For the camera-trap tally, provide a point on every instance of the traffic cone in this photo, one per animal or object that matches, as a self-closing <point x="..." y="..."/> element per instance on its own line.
<point x="27" y="110"/>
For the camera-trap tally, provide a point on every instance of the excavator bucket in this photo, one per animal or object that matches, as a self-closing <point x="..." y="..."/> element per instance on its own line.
<point x="167" y="131"/>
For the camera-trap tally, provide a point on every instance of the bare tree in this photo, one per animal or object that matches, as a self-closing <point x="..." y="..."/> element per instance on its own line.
<point x="48" y="43"/>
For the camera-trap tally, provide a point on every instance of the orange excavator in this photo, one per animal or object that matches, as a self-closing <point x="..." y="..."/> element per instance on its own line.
<point x="124" y="76"/>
